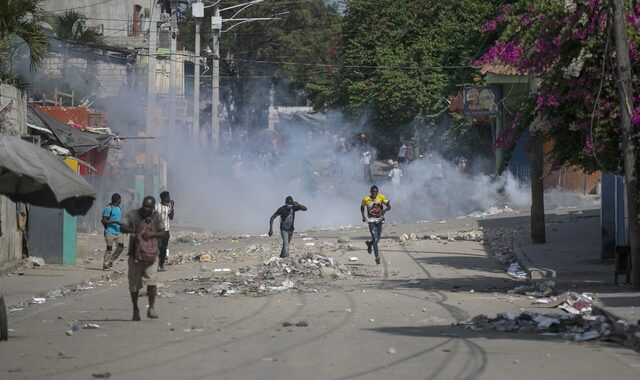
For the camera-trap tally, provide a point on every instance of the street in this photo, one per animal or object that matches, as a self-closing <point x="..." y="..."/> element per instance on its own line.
<point x="396" y="319"/>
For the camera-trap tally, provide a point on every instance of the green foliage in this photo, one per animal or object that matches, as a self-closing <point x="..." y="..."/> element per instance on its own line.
<point x="20" y="25"/>
<point x="399" y="60"/>
<point x="255" y="56"/>
<point x="569" y="47"/>
<point x="71" y="25"/>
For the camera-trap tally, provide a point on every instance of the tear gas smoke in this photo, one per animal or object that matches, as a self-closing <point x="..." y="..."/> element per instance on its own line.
<point x="247" y="184"/>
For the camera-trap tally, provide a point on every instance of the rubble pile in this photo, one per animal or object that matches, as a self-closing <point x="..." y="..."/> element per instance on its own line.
<point x="542" y="289"/>
<point x="191" y="237"/>
<point x="408" y="237"/>
<point x="274" y="275"/>
<point x="575" y="327"/>
<point x="470" y="235"/>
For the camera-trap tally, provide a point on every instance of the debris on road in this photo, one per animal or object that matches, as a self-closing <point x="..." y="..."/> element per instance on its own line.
<point x="34" y="262"/>
<point x="542" y="289"/>
<point x="593" y="324"/>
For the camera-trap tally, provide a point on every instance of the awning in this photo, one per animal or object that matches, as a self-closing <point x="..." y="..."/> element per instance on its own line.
<point x="33" y="175"/>
<point x="77" y="141"/>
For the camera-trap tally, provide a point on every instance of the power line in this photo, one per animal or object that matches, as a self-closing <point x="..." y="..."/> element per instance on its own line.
<point x="81" y="7"/>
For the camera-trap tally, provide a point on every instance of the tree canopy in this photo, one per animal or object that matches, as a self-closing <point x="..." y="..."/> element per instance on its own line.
<point x="569" y="46"/>
<point x="20" y="25"/>
<point x="398" y="61"/>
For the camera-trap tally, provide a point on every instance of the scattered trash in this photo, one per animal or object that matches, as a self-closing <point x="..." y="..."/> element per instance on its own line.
<point x="38" y="300"/>
<point x="310" y="244"/>
<point x="206" y="258"/>
<point x="309" y="238"/>
<point x="542" y="290"/>
<point x="344" y="240"/>
<point x="91" y="326"/>
<point x="222" y="270"/>
<point x="34" y="262"/>
<point x="515" y="271"/>
<point x="353" y="258"/>
<point x="391" y="350"/>
<point x="69" y="332"/>
<point x="102" y="375"/>
<point x="594" y="324"/>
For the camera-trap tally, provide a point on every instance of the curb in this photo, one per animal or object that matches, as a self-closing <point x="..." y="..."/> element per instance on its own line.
<point x="534" y="272"/>
<point x="7" y="268"/>
<point x="541" y="274"/>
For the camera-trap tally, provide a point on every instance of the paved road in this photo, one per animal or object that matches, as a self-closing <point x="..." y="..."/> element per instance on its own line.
<point x="394" y="322"/>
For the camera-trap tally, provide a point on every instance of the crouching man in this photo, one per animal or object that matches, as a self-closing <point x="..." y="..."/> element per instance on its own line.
<point x="146" y="229"/>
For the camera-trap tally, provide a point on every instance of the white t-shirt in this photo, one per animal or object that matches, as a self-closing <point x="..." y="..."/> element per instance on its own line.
<point x="402" y="152"/>
<point x="395" y="174"/>
<point x="163" y="211"/>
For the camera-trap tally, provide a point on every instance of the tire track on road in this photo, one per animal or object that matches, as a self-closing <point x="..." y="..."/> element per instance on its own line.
<point x="348" y="316"/>
<point x="259" y="311"/>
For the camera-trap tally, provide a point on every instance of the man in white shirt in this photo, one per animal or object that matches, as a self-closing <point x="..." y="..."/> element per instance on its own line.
<point x="395" y="174"/>
<point x="165" y="210"/>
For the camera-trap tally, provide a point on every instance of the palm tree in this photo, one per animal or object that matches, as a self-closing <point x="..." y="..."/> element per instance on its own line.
<point x="20" y="25"/>
<point x="72" y="26"/>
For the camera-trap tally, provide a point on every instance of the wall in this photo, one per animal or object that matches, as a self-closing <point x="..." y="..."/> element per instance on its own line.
<point x="114" y="17"/>
<point x="13" y="122"/>
<point x="100" y="79"/>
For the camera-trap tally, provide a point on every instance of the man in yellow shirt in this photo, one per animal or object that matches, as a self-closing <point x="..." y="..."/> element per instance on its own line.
<point x="376" y="206"/>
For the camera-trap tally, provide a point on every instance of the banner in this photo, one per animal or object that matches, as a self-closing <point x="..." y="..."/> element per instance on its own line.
<point x="481" y="101"/>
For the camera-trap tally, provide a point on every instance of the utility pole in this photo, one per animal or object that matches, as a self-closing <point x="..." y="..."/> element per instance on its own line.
<point x="172" y="67"/>
<point x="625" y="90"/>
<point x="198" y="14"/>
<point x="147" y="180"/>
<point x="216" y="29"/>
<point x="538" y="228"/>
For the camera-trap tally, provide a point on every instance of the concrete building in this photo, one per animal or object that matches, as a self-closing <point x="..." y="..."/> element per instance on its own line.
<point x="121" y="22"/>
<point x="13" y="121"/>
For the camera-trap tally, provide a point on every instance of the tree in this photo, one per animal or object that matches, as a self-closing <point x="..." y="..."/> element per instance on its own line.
<point x="569" y="47"/>
<point x="254" y="56"/>
<point x="20" y="25"/>
<point x="71" y="26"/>
<point x="398" y="61"/>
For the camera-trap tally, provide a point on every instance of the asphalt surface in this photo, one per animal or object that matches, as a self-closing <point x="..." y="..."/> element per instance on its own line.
<point x="397" y="320"/>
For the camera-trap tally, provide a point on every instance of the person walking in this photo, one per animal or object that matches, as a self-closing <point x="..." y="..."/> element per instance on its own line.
<point x="376" y="205"/>
<point x="287" y="214"/>
<point x="165" y="210"/>
<point x="394" y="175"/>
<point x="146" y="228"/>
<point x="111" y="216"/>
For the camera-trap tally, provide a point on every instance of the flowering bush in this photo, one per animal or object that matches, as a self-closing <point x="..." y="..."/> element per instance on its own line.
<point x="569" y="46"/>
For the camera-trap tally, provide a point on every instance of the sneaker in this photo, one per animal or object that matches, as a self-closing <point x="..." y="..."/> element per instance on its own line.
<point x="105" y="267"/>
<point x="151" y="314"/>
<point x="136" y="315"/>
<point x="161" y="269"/>
<point x="378" y="260"/>
<point x="369" y="244"/>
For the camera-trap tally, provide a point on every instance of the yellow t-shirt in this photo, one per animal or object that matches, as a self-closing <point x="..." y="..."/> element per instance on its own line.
<point x="368" y="203"/>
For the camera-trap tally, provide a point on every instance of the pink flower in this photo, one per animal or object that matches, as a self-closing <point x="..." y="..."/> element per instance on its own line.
<point x="490" y="26"/>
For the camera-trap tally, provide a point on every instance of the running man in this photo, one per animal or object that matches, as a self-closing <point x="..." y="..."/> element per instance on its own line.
<point x="111" y="216"/>
<point x="287" y="214"/>
<point x="374" y="204"/>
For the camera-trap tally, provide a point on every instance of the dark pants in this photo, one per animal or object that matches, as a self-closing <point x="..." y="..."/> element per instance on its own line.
<point x="164" y="244"/>
<point x="376" y="232"/>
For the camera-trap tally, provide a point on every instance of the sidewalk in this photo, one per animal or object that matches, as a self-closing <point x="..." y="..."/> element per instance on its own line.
<point x="571" y="257"/>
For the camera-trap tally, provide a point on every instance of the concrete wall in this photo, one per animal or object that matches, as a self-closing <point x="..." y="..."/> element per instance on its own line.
<point x="105" y="79"/>
<point x="114" y="17"/>
<point x="13" y="122"/>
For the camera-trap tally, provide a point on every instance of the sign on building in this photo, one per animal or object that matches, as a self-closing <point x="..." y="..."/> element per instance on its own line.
<point x="481" y="101"/>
